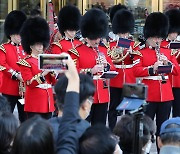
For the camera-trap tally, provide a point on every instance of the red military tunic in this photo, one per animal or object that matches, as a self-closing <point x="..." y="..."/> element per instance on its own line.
<point x="38" y="95"/>
<point x="10" y="55"/>
<point x="157" y="91"/>
<point x="175" y="80"/>
<point x="65" y="45"/>
<point x="85" y="61"/>
<point x="124" y="67"/>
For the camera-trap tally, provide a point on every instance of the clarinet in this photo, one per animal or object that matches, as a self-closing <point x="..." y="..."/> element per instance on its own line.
<point x="100" y="58"/>
<point x="157" y="49"/>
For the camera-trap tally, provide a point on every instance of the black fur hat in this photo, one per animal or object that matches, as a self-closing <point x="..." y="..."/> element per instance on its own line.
<point x="94" y="24"/>
<point x="14" y="22"/>
<point x="156" y="25"/>
<point x="69" y="18"/>
<point x="123" y="22"/>
<point x="114" y="9"/>
<point x="34" y="30"/>
<point x="174" y="20"/>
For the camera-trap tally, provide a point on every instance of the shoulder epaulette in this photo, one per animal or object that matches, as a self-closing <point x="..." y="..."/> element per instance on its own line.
<point x="137" y="53"/>
<point x="24" y="63"/>
<point x="136" y="44"/>
<point x="174" y="51"/>
<point x="2" y="68"/>
<point x="74" y="51"/>
<point x="58" y="44"/>
<point x="2" y="48"/>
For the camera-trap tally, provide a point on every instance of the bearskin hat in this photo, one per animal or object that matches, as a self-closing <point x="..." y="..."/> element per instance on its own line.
<point x="94" y="24"/>
<point x="34" y="30"/>
<point x="14" y="22"/>
<point x="114" y="9"/>
<point x="156" y="25"/>
<point x="69" y="18"/>
<point x="174" y="20"/>
<point x="123" y="22"/>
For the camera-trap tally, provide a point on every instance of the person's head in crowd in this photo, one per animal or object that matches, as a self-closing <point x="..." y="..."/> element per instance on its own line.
<point x="98" y="139"/>
<point x="35" y="35"/>
<point x="34" y="136"/>
<point x="114" y="9"/>
<point x="35" y="13"/>
<point x="13" y="24"/>
<point x="4" y="105"/>
<point x="124" y="130"/>
<point x="94" y="26"/>
<point x="87" y="90"/>
<point x="170" y="133"/>
<point x="69" y="20"/>
<point x="156" y="28"/>
<point x="123" y="29"/>
<point x="8" y="127"/>
<point x="174" y="23"/>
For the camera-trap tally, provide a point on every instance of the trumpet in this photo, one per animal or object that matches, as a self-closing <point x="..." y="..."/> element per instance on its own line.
<point x="157" y="49"/>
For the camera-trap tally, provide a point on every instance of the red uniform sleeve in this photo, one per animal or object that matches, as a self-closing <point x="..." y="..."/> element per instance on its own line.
<point x="139" y="70"/>
<point x="30" y="79"/>
<point x="175" y="69"/>
<point x="4" y="63"/>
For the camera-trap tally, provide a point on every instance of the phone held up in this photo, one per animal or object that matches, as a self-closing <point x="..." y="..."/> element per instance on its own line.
<point x="52" y="62"/>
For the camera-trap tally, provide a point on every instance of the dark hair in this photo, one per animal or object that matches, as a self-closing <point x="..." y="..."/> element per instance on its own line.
<point x="34" y="136"/>
<point x="171" y="137"/>
<point x="4" y="105"/>
<point x="8" y="127"/>
<point x="124" y="130"/>
<point x="87" y="88"/>
<point x="97" y="139"/>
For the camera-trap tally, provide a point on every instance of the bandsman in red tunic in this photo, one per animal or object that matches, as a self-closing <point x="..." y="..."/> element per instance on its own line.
<point x="148" y="64"/>
<point x="174" y="31"/>
<point x="38" y="95"/>
<point x="10" y="53"/>
<point x="112" y="13"/>
<point x="122" y="59"/>
<point x="68" y="24"/>
<point x="93" y="60"/>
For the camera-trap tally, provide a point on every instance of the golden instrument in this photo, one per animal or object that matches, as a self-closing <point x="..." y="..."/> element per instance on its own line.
<point x="118" y="54"/>
<point x="157" y="49"/>
<point x="21" y="88"/>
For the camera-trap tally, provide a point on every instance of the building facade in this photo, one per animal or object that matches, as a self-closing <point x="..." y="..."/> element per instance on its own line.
<point x="140" y="8"/>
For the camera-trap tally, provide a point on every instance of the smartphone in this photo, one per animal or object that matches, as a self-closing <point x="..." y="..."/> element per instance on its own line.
<point x="51" y="62"/>
<point x="174" y="45"/>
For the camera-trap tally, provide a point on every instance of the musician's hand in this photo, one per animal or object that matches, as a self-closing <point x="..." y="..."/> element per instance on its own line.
<point x="156" y="64"/>
<point x="19" y="77"/>
<point x="97" y="68"/>
<point x="164" y="59"/>
<point x="44" y="73"/>
<point x="130" y="50"/>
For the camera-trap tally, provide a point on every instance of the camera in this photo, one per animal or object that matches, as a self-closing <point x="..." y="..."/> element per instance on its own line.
<point x="134" y="98"/>
<point x="51" y="62"/>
